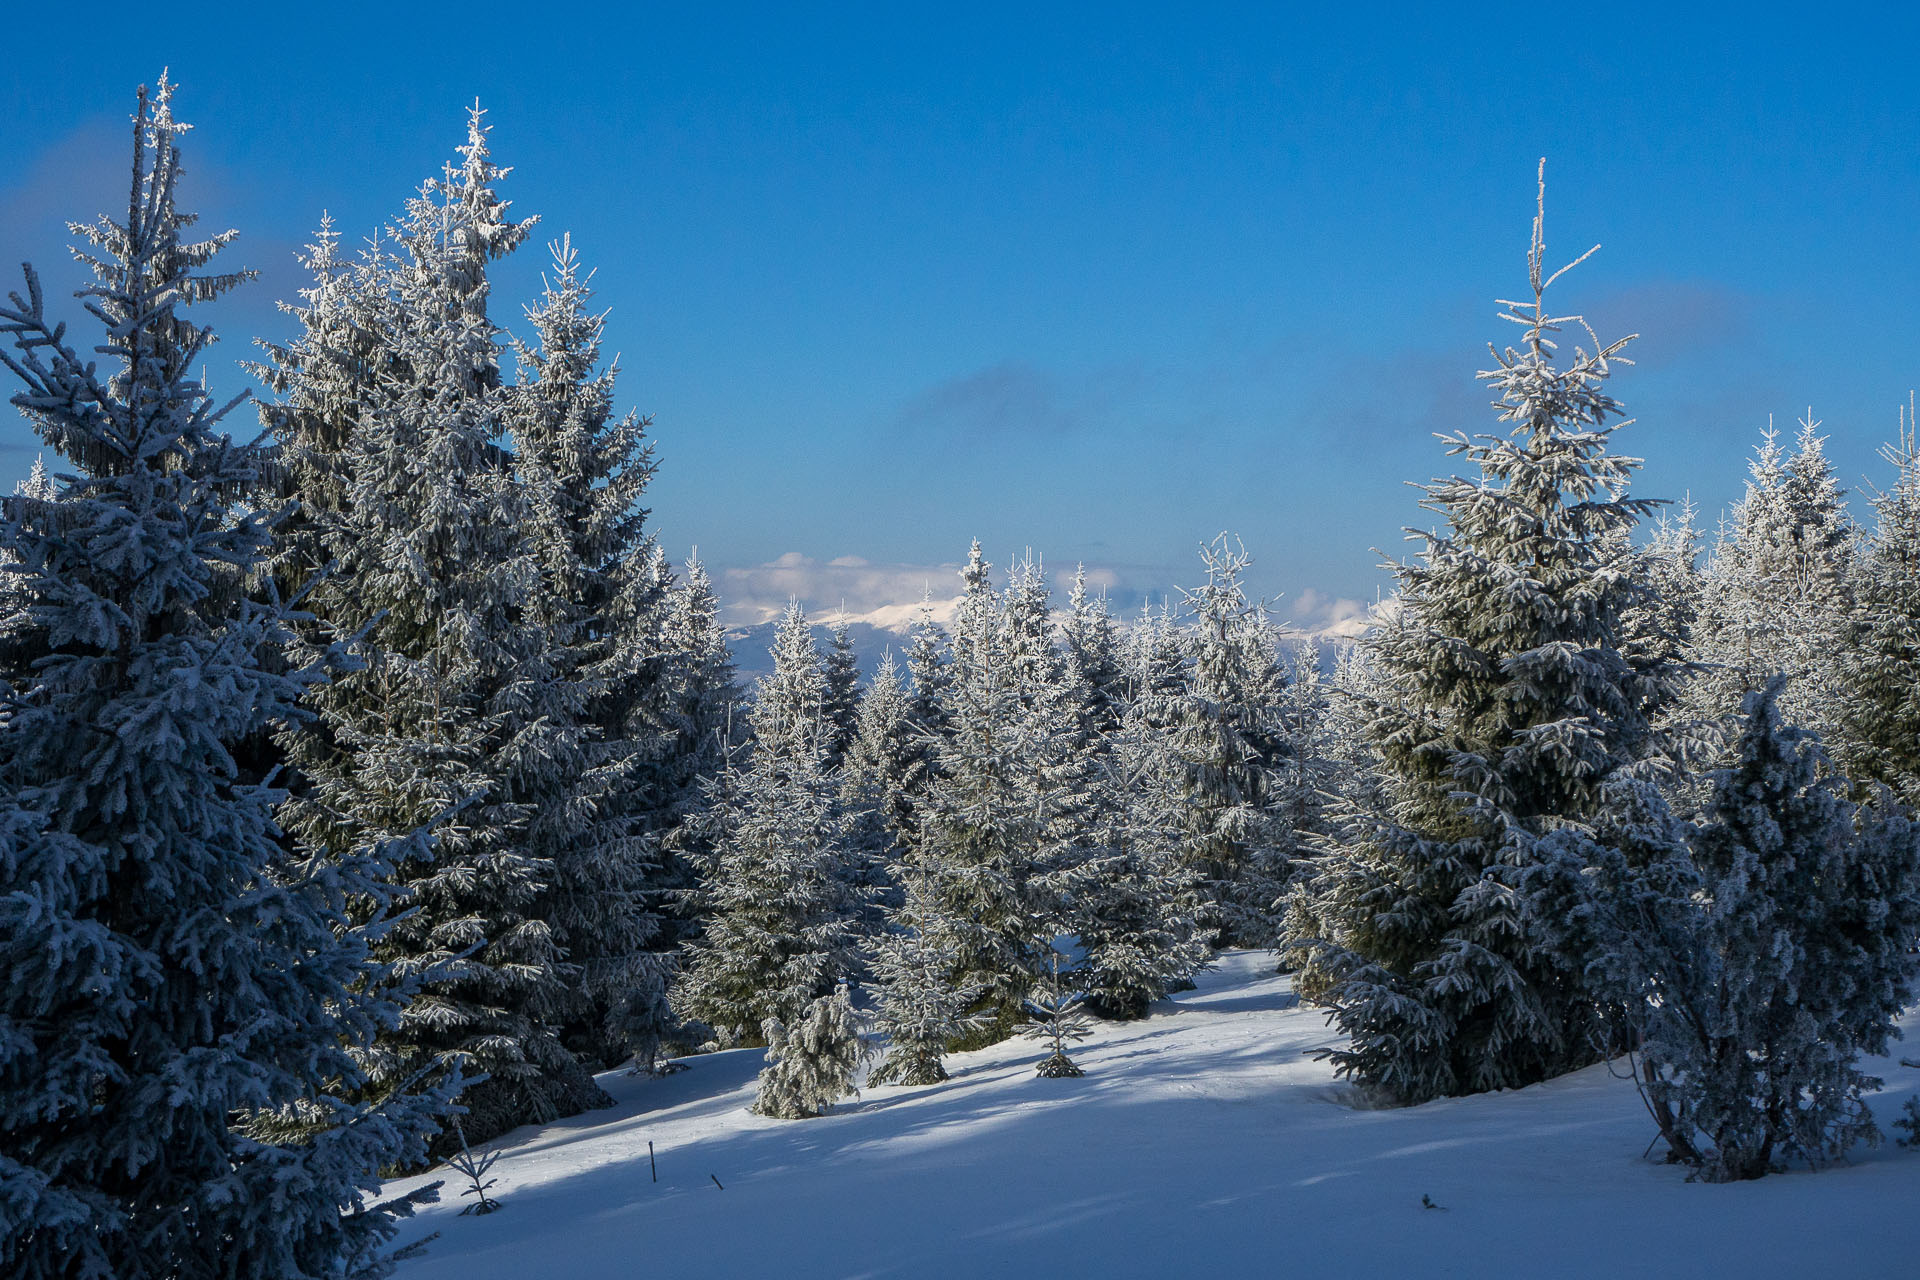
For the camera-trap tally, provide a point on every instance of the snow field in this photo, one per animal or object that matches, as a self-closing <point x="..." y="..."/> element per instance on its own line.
<point x="1204" y="1141"/>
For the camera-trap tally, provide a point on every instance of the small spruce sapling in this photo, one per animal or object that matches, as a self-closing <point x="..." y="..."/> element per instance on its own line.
<point x="1056" y="1017"/>
<point x="475" y="1170"/>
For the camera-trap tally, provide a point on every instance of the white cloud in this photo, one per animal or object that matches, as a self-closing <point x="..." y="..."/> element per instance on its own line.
<point x="1319" y="614"/>
<point x="886" y="595"/>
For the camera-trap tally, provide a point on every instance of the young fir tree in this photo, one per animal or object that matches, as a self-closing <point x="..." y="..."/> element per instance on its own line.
<point x="1227" y="734"/>
<point x="434" y="578"/>
<point x="587" y="776"/>
<point x="815" y="1063"/>
<point x="779" y="913"/>
<point x="928" y="677"/>
<point x="173" y="991"/>
<point x="1139" y="907"/>
<point x="1055" y="1017"/>
<point x="997" y="830"/>
<point x="880" y="759"/>
<point x="1774" y="597"/>
<point x="917" y="1006"/>
<point x="1878" y="735"/>
<point x="841" y="708"/>
<point x="1093" y="652"/>
<point x="702" y="726"/>
<point x="1509" y="703"/>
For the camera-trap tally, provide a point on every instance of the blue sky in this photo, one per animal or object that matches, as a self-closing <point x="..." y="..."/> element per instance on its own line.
<point x="1098" y="281"/>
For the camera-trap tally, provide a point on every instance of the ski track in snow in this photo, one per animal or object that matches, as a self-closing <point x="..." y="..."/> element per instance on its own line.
<point x="1204" y="1141"/>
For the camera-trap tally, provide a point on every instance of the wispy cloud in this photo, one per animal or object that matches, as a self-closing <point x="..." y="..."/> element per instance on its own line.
<point x="1016" y="397"/>
<point x="1676" y="319"/>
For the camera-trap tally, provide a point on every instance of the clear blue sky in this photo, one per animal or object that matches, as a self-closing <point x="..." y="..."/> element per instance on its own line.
<point x="1099" y="282"/>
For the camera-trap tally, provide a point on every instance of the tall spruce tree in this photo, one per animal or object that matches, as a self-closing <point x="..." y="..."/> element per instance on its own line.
<point x="703" y="726"/>
<point x="840" y="667"/>
<point x="1093" y="650"/>
<point x="588" y="778"/>
<point x="1509" y="703"/>
<point x="1139" y="905"/>
<point x="173" y="990"/>
<point x="434" y="578"/>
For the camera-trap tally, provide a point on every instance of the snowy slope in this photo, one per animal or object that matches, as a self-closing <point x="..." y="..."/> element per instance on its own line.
<point x="1203" y="1142"/>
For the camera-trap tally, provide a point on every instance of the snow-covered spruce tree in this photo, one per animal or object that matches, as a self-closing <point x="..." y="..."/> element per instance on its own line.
<point x="841" y="708"/>
<point x="927" y="678"/>
<point x="1093" y="652"/>
<point x="435" y="577"/>
<point x="1138" y="905"/>
<point x="1759" y="952"/>
<point x="886" y="754"/>
<point x="164" y="970"/>
<point x="1154" y="663"/>
<point x="1227" y="733"/>
<point x="593" y="731"/>
<point x="703" y="725"/>
<point x="917" y="1007"/>
<point x="320" y="379"/>
<point x="779" y="912"/>
<point x="1774" y="596"/>
<point x="998" y="824"/>
<point x="1055" y="1017"/>
<point x="815" y="1063"/>
<point x="1658" y="629"/>
<point x="1508" y="704"/>
<point x="1878" y="734"/>
<point x="873" y="780"/>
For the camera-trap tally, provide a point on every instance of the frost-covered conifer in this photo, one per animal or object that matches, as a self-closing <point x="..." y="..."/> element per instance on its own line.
<point x="1758" y="951"/>
<point x="1507" y="705"/>
<point x="1659" y="628"/>
<point x="702" y="714"/>
<point x="587" y="770"/>
<point x="1774" y="596"/>
<point x="1154" y="662"/>
<point x="175" y="994"/>
<point x="841" y="705"/>
<point x="815" y="1063"/>
<point x="1226" y="731"/>
<point x="1138" y="906"/>
<point x="879" y="814"/>
<point x="999" y="826"/>
<point x="918" y="1007"/>
<point x="1055" y="1017"/>
<point x="16" y="649"/>
<point x="1093" y="651"/>
<point x="1878" y="734"/>
<point x="434" y="576"/>
<point x="779" y="911"/>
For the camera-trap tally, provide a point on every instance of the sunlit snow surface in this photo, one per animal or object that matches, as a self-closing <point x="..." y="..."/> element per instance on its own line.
<point x="1204" y="1141"/>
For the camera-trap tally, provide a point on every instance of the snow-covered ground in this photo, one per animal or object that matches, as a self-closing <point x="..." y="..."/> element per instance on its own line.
<point x="1204" y="1141"/>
